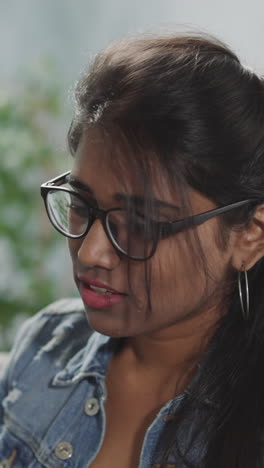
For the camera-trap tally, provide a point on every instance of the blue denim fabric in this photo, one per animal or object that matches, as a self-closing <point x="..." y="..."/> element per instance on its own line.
<point x="53" y="394"/>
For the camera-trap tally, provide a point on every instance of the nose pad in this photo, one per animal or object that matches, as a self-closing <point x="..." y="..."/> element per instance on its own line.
<point x="96" y="248"/>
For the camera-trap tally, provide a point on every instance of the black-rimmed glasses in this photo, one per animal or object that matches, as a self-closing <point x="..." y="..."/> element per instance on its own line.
<point x="130" y="232"/>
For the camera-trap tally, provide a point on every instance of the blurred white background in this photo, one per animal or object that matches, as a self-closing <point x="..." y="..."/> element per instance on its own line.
<point x="71" y="30"/>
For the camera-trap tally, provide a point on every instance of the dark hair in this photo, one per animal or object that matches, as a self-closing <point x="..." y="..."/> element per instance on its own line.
<point x="189" y="102"/>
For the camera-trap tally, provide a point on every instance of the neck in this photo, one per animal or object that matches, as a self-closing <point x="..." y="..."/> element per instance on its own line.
<point x="175" y="350"/>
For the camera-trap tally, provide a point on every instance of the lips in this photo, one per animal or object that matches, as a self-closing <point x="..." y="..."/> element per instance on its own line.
<point x="95" y="299"/>
<point x="92" y="282"/>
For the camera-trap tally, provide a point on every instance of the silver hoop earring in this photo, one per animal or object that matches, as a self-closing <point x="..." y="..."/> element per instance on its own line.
<point x="244" y="304"/>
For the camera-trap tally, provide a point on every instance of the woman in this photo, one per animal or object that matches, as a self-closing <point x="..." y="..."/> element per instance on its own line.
<point x="163" y="211"/>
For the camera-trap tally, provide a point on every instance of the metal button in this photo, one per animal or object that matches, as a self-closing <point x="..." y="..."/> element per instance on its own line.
<point x="64" y="450"/>
<point x="91" y="406"/>
<point x="5" y="464"/>
<point x="8" y="463"/>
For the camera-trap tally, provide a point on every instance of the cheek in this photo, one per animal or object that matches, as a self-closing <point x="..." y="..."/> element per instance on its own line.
<point x="170" y="273"/>
<point x="185" y="270"/>
<point x="217" y="254"/>
<point x="173" y="271"/>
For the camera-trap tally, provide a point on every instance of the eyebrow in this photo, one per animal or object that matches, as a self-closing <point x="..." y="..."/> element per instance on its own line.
<point x="78" y="184"/>
<point x="137" y="200"/>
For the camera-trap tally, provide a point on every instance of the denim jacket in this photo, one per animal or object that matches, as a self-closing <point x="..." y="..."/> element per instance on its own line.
<point x="53" y="393"/>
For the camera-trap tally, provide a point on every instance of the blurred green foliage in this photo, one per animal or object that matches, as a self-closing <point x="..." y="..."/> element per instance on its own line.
<point x="30" y="120"/>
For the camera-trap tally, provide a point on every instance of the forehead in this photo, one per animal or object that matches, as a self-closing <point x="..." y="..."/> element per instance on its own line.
<point x="109" y="167"/>
<point x="102" y="161"/>
<point x="96" y="154"/>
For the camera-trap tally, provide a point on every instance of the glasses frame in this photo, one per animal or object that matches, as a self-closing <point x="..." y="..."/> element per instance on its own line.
<point x="164" y="228"/>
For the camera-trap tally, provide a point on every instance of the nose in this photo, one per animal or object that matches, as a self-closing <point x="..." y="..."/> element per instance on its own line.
<point x="96" y="250"/>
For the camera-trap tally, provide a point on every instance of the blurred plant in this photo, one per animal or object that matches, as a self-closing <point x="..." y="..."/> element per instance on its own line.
<point x="30" y="118"/>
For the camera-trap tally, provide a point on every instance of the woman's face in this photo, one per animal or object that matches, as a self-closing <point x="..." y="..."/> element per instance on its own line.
<point x="178" y="289"/>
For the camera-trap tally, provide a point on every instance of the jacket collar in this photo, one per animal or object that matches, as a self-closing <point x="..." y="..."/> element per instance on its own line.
<point x="92" y="360"/>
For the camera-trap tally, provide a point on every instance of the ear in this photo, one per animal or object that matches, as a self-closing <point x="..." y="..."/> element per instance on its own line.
<point x="248" y="245"/>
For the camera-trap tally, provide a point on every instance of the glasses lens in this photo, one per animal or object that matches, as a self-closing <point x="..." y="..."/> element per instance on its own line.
<point x="133" y="234"/>
<point x="68" y="213"/>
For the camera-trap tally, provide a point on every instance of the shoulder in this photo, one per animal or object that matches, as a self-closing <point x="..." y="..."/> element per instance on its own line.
<point x="60" y="329"/>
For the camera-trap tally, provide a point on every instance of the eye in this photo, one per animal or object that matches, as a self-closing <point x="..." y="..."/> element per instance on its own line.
<point x="144" y="227"/>
<point x="78" y="209"/>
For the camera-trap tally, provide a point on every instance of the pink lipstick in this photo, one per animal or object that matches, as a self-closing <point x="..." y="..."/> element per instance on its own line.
<point x="98" y="295"/>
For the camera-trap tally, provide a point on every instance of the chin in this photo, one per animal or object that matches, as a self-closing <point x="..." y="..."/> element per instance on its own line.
<point x="104" y="323"/>
<point x="116" y="322"/>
